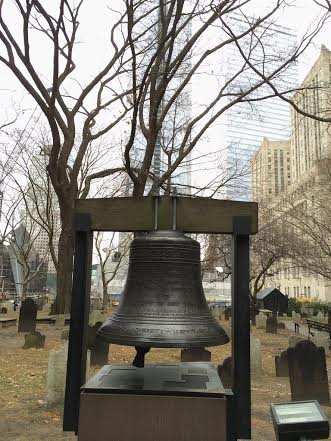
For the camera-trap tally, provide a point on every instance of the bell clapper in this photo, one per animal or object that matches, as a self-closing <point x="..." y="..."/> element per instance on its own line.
<point x="139" y="359"/>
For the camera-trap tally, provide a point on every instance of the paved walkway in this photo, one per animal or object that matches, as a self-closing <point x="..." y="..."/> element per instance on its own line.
<point x="303" y="330"/>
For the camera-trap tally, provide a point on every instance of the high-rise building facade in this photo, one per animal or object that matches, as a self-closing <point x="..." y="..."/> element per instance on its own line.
<point x="311" y="139"/>
<point x="308" y="153"/>
<point x="271" y="169"/>
<point x="246" y="124"/>
<point x="42" y="214"/>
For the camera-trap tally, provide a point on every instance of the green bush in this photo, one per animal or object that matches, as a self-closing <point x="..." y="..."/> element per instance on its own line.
<point x="293" y="305"/>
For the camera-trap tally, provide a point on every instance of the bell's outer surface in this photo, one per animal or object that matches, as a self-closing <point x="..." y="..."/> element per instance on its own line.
<point x="163" y="303"/>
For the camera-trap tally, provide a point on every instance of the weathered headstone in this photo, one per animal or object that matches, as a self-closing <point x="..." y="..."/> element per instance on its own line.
<point x="294" y="339"/>
<point x="308" y="373"/>
<point x="98" y="347"/>
<point x="261" y="320"/>
<point x="28" y="316"/>
<point x="294" y="315"/>
<point x="319" y="316"/>
<point x="34" y="340"/>
<point x="322" y="340"/>
<point x="52" y="310"/>
<point x="225" y="372"/>
<point x="96" y="316"/>
<point x="255" y="353"/>
<point x="56" y="374"/>
<point x="3" y="310"/>
<point x="227" y="313"/>
<point x="271" y="325"/>
<point x="60" y="321"/>
<point x="281" y="364"/>
<point x="195" y="354"/>
<point x="65" y="334"/>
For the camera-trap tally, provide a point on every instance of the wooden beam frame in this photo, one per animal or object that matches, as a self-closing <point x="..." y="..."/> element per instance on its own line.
<point x="194" y="215"/>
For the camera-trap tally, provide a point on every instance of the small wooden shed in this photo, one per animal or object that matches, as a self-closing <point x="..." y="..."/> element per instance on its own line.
<point x="272" y="299"/>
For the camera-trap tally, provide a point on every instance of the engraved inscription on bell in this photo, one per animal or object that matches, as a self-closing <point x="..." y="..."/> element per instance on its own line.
<point x="163" y="303"/>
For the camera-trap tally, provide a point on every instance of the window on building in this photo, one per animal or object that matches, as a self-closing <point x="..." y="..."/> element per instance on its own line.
<point x="309" y="292"/>
<point x="305" y="291"/>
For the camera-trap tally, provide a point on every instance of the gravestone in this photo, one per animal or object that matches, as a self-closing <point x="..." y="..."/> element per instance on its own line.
<point x="3" y="310"/>
<point x="322" y="340"/>
<point x="52" y="310"/>
<point x="96" y="316"/>
<point x="195" y="354"/>
<point x="294" y="315"/>
<point x="60" y="321"/>
<point x="261" y="321"/>
<point x="294" y="339"/>
<point x="319" y="316"/>
<point x="227" y="313"/>
<point x="281" y="364"/>
<point x="65" y="334"/>
<point x="98" y="347"/>
<point x="308" y="373"/>
<point x="271" y="325"/>
<point x="255" y="354"/>
<point x="225" y="372"/>
<point x="28" y="316"/>
<point x="56" y="374"/>
<point x="34" y="340"/>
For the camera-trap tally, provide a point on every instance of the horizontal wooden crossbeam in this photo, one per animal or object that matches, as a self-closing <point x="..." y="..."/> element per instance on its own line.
<point x="194" y="215"/>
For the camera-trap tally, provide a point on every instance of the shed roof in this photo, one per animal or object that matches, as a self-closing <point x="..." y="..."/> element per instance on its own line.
<point x="266" y="291"/>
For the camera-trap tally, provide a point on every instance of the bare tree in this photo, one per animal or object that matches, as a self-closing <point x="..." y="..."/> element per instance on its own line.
<point x="148" y="71"/>
<point x="111" y="258"/>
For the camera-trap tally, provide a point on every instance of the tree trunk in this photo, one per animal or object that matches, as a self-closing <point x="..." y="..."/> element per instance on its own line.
<point x="65" y="266"/>
<point x="105" y="296"/>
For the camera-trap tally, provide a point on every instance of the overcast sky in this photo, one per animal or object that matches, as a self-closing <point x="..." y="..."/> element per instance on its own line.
<point x="92" y="50"/>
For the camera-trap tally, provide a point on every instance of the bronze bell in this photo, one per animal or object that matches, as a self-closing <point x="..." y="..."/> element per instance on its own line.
<point x="163" y="303"/>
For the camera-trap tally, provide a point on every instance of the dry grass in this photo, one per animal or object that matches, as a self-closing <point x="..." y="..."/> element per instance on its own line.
<point x="25" y="416"/>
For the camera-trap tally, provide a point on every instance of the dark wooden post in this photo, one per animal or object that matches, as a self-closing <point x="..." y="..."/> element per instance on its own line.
<point x="80" y="304"/>
<point x="241" y="374"/>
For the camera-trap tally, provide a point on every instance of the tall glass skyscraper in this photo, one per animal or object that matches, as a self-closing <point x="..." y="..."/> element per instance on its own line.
<point x="246" y="124"/>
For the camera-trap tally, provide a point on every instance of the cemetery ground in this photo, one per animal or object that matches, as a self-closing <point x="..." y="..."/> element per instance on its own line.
<point x="26" y="417"/>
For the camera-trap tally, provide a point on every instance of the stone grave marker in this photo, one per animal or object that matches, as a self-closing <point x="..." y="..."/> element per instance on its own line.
<point x="261" y="321"/>
<point x="28" y="316"/>
<point x="281" y="364"/>
<point x="294" y="315"/>
<point x="271" y="325"/>
<point x="65" y="334"/>
<point x="294" y="339"/>
<point x="56" y="374"/>
<point x="98" y="347"/>
<point x="60" y="321"/>
<point x="225" y="372"/>
<point x="34" y="340"/>
<point x="308" y="373"/>
<point x="227" y="313"/>
<point x="195" y="354"/>
<point x="322" y="340"/>
<point x="3" y="310"/>
<point x="255" y="354"/>
<point x="52" y="310"/>
<point x="319" y="316"/>
<point x="96" y="316"/>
